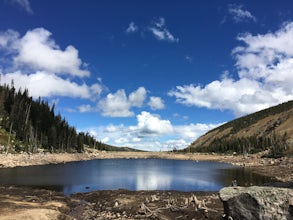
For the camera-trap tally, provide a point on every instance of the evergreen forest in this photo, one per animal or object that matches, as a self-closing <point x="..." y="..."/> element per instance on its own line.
<point x="29" y="125"/>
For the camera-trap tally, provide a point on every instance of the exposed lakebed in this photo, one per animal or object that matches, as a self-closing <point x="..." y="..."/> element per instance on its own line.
<point x="132" y="174"/>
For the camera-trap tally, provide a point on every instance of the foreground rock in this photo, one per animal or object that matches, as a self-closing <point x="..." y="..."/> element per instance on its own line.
<point x="257" y="203"/>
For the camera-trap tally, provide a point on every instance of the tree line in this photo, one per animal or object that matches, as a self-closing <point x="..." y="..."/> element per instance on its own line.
<point x="276" y="145"/>
<point x="34" y="125"/>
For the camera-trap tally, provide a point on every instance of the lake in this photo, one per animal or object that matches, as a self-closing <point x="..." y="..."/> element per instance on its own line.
<point x="131" y="174"/>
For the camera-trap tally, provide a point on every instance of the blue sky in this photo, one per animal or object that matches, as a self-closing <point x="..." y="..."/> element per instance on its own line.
<point x="151" y="75"/>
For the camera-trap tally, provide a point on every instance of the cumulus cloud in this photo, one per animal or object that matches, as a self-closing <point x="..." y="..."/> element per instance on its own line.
<point x="192" y="131"/>
<point x="38" y="51"/>
<point x="137" y="97"/>
<point x="43" y="84"/>
<point x="132" y="28"/>
<point x="239" y="14"/>
<point x="264" y="64"/>
<point x="160" y="31"/>
<point x="149" y="124"/>
<point x="8" y="40"/>
<point x="118" y="104"/>
<point x="37" y="63"/>
<point x="151" y="133"/>
<point x="115" y="105"/>
<point x="156" y="103"/>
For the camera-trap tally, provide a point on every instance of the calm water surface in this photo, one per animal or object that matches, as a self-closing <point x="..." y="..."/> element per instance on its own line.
<point x="131" y="174"/>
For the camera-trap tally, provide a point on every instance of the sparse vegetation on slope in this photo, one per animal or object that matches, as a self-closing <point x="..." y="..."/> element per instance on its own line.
<point x="267" y="129"/>
<point x="245" y="121"/>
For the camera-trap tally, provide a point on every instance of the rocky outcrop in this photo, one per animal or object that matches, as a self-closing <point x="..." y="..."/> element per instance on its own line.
<point x="257" y="203"/>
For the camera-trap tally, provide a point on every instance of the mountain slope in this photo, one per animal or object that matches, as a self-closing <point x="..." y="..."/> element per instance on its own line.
<point x="251" y="133"/>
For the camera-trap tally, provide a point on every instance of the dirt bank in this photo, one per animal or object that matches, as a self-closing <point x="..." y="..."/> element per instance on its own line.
<point x="24" y="159"/>
<point x="27" y="203"/>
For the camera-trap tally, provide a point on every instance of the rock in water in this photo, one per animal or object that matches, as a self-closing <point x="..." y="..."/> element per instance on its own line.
<point x="256" y="203"/>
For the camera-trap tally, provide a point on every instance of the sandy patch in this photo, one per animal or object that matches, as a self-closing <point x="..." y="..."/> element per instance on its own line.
<point x="31" y="214"/>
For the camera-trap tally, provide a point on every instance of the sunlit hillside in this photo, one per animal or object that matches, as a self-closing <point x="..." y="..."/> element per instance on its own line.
<point x="259" y="131"/>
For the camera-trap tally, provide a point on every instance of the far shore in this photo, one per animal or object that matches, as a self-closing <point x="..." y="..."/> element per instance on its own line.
<point x="281" y="169"/>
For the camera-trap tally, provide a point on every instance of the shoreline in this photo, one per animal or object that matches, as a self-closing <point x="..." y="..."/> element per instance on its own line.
<point x="17" y="202"/>
<point x="281" y="169"/>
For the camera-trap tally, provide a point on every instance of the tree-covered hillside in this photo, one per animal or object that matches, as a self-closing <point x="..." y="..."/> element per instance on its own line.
<point x="27" y="125"/>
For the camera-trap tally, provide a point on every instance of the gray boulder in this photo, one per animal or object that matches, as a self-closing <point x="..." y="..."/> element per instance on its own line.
<point x="257" y="203"/>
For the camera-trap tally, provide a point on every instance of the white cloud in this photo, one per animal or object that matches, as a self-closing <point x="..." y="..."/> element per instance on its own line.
<point x="149" y="125"/>
<point x="45" y="84"/>
<point x="36" y="62"/>
<point x="159" y="30"/>
<point x="24" y="4"/>
<point x="8" y="39"/>
<point x="119" y="105"/>
<point x="239" y="14"/>
<point x="85" y="108"/>
<point x="137" y="97"/>
<point x="192" y="131"/>
<point x="151" y="132"/>
<point x="175" y="144"/>
<point x="264" y="65"/>
<point x="132" y="28"/>
<point x="115" y="105"/>
<point x="38" y="51"/>
<point x="156" y="103"/>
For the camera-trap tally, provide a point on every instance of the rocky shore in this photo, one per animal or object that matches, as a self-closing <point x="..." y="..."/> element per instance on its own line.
<point x="29" y="203"/>
<point x="281" y="169"/>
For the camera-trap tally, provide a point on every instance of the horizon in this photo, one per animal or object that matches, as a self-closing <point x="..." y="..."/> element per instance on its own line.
<point x="147" y="75"/>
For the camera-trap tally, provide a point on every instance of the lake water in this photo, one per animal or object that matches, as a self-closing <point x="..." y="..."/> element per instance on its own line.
<point x="131" y="174"/>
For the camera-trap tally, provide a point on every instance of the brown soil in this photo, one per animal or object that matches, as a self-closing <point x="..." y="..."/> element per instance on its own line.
<point x="24" y="159"/>
<point x="28" y="203"/>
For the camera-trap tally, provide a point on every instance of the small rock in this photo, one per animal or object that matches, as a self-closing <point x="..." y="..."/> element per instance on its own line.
<point x="234" y="183"/>
<point x="154" y="198"/>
